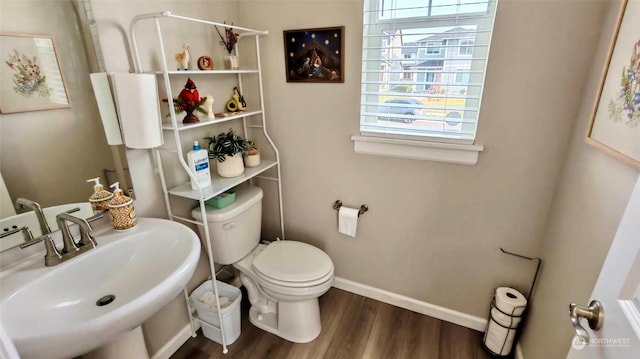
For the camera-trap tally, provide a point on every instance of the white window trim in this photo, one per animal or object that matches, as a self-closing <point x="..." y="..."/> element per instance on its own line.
<point x="458" y="153"/>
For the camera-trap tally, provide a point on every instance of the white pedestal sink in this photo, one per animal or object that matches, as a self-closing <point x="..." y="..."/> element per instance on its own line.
<point x="67" y="310"/>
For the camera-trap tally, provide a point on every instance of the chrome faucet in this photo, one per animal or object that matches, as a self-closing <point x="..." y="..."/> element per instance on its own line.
<point x="22" y="203"/>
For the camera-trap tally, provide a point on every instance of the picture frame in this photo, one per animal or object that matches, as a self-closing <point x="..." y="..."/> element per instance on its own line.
<point x="615" y="120"/>
<point x="314" y="55"/>
<point x="32" y="77"/>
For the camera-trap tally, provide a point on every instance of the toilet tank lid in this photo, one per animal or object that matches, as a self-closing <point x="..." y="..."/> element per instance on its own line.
<point x="246" y="197"/>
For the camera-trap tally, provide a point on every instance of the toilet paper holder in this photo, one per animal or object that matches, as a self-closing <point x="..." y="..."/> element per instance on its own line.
<point x="516" y="318"/>
<point x="338" y="203"/>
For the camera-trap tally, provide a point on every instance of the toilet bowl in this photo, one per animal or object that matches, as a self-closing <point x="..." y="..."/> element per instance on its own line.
<point x="283" y="279"/>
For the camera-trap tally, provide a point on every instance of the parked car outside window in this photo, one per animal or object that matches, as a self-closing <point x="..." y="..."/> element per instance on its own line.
<point x="400" y="106"/>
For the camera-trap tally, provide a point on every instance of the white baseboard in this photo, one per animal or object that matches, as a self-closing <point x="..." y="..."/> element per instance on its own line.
<point x="432" y="310"/>
<point x="174" y="344"/>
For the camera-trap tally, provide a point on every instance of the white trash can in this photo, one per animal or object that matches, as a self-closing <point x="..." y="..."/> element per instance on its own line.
<point x="230" y="313"/>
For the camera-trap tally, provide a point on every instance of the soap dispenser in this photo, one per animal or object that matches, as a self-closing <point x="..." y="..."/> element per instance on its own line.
<point x="121" y="209"/>
<point x="100" y="198"/>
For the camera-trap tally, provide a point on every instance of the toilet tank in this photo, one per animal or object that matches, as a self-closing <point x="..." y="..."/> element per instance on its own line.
<point x="234" y="230"/>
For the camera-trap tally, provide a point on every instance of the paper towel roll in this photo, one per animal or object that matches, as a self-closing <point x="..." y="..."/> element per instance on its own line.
<point x="510" y="301"/>
<point x="348" y="220"/>
<point x="138" y="109"/>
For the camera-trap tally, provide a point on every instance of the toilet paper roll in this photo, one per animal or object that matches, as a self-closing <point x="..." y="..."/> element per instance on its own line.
<point x="505" y="320"/>
<point x="510" y="301"/>
<point x="348" y="221"/>
<point x="138" y="109"/>
<point x="498" y="339"/>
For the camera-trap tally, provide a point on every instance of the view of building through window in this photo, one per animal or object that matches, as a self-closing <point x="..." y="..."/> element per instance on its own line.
<point x="423" y="66"/>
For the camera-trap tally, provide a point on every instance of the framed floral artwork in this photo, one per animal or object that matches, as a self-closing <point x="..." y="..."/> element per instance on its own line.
<point x="314" y="55"/>
<point x="32" y="78"/>
<point x="615" y="124"/>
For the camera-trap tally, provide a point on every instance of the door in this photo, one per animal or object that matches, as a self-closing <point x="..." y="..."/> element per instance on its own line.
<point x="618" y="288"/>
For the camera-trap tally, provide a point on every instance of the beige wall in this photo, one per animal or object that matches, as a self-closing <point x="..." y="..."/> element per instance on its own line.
<point x="47" y="155"/>
<point x="591" y="196"/>
<point x="434" y="230"/>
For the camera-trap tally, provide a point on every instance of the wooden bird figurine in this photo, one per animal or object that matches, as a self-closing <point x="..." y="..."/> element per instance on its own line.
<point x="189" y="93"/>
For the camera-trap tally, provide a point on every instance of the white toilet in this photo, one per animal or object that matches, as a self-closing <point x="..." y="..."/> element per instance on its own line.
<point x="283" y="279"/>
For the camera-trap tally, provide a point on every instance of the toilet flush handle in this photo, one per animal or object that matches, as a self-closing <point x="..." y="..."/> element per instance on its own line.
<point x="227" y="226"/>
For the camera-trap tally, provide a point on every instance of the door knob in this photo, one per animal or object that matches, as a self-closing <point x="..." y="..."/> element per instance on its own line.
<point x="594" y="314"/>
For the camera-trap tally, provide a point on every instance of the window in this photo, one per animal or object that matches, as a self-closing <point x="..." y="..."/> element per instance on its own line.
<point x="433" y="48"/>
<point x="462" y="76"/>
<point x="450" y="40"/>
<point x="466" y="47"/>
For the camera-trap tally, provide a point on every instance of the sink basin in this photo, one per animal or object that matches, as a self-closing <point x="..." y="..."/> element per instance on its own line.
<point x="53" y="312"/>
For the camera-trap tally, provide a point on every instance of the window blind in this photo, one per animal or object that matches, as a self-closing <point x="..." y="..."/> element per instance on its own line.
<point x="423" y="66"/>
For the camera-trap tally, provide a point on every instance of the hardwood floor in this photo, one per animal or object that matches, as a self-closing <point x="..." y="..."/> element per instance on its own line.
<point x="352" y="327"/>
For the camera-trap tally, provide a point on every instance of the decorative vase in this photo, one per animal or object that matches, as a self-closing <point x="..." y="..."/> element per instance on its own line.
<point x="190" y="117"/>
<point x="252" y="160"/>
<point x="232" y="63"/>
<point x="231" y="167"/>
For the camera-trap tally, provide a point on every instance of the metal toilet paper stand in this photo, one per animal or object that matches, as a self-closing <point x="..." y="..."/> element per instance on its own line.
<point x="513" y="324"/>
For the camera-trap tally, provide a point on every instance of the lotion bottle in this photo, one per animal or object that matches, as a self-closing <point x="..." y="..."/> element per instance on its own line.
<point x="198" y="161"/>
<point x="100" y="198"/>
<point x="121" y="209"/>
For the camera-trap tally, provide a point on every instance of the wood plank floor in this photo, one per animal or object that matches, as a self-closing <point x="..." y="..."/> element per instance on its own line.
<point x="352" y="327"/>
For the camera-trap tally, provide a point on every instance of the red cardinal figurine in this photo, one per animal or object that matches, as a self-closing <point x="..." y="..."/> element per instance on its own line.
<point x="189" y="93"/>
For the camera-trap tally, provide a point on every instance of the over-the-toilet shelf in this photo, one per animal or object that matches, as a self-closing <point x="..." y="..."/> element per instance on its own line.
<point x="176" y="128"/>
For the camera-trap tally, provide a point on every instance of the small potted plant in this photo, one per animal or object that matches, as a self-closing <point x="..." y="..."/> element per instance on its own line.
<point x="227" y="149"/>
<point x="252" y="158"/>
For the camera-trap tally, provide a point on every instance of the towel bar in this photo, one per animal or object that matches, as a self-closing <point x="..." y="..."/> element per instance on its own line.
<point x="337" y="204"/>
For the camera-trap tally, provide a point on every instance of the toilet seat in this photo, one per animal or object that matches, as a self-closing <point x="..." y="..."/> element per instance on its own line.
<point x="293" y="264"/>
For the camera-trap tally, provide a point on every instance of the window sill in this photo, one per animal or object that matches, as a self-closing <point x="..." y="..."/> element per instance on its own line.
<point x="463" y="154"/>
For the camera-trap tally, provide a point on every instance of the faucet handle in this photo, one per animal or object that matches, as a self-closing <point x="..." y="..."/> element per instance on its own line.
<point x="86" y="240"/>
<point x="52" y="255"/>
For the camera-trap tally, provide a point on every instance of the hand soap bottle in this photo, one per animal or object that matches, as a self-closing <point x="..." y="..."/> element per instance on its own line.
<point x="121" y="209"/>
<point x="100" y="198"/>
<point x="198" y="161"/>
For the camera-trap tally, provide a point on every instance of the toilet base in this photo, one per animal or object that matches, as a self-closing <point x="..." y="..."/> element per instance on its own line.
<point x="297" y="322"/>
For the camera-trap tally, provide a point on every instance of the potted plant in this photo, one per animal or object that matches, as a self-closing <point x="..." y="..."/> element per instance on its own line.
<point x="252" y="158"/>
<point x="227" y="149"/>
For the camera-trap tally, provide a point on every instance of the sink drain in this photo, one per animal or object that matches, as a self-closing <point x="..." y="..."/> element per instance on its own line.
<point x="105" y="300"/>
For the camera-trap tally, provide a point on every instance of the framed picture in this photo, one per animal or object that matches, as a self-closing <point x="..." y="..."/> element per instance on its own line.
<point x="32" y="79"/>
<point x="314" y="55"/>
<point x="615" y="123"/>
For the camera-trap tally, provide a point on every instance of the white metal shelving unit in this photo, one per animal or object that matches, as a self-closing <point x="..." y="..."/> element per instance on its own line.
<point x="218" y="184"/>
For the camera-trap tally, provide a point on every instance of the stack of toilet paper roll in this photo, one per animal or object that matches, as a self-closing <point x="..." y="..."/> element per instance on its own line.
<point x="507" y="308"/>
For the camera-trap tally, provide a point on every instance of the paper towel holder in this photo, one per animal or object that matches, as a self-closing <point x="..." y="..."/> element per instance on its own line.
<point x="338" y="203"/>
